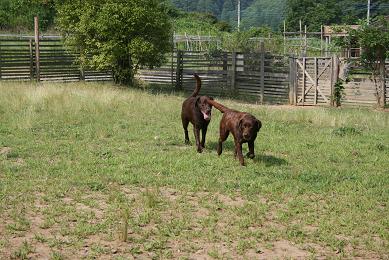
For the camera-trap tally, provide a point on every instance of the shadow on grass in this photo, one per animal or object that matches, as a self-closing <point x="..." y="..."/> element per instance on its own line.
<point x="227" y="145"/>
<point x="269" y="160"/>
<point x="157" y="89"/>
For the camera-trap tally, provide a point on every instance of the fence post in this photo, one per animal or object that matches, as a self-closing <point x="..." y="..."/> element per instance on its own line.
<point x="382" y="74"/>
<point x="31" y="60"/>
<point x="179" y="68"/>
<point x="0" y="61"/>
<point x="334" y="77"/>
<point x="316" y="80"/>
<point x="262" y="71"/>
<point x="385" y="87"/>
<point x="304" y="79"/>
<point x="233" y="75"/>
<point x="292" y="79"/>
<point x="37" y="62"/>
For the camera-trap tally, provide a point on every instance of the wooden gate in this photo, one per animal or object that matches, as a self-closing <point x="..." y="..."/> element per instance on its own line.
<point x="314" y="80"/>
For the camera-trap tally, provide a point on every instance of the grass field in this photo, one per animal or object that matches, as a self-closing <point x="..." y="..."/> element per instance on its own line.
<point x="84" y="167"/>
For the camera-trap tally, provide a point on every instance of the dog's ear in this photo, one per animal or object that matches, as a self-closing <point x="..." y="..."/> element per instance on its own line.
<point x="240" y="123"/>
<point x="197" y="101"/>
<point x="258" y="124"/>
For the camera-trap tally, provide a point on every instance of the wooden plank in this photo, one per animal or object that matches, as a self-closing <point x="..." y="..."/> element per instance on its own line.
<point x="0" y="60"/>
<point x="304" y="73"/>
<point x="262" y="57"/>
<point x="31" y="60"/>
<point x="316" y="77"/>
<point x="234" y="89"/>
<point x="292" y="76"/>
<point x="36" y="31"/>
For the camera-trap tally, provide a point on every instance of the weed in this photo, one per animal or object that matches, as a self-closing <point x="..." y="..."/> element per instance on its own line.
<point x="346" y="130"/>
<point x="23" y="251"/>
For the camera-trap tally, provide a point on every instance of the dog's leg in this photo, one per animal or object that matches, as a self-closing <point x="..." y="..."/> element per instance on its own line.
<point x="196" y="130"/>
<point x="223" y="136"/>
<point x="251" y="153"/>
<point x="185" y="124"/>
<point x="203" y="135"/>
<point x="238" y="152"/>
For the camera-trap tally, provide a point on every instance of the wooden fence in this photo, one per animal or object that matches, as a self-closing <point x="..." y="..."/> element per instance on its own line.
<point x="313" y="83"/>
<point x="261" y="77"/>
<point x="57" y="63"/>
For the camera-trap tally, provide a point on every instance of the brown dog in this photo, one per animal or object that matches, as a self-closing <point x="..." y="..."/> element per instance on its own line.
<point x="196" y="110"/>
<point x="243" y="126"/>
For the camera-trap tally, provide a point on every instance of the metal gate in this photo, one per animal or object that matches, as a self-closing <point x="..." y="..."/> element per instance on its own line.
<point x="314" y="81"/>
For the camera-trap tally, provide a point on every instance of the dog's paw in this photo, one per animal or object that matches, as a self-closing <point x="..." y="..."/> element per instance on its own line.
<point x="250" y="155"/>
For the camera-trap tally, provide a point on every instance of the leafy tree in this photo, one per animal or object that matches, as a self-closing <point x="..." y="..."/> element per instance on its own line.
<point x="19" y="14"/>
<point x="374" y="41"/>
<point x="373" y="38"/>
<point x="116" y="35"/>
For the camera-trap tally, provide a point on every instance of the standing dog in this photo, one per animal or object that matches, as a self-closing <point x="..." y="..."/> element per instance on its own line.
<point x="196" y="110"/>
<point x="243" y="126"/>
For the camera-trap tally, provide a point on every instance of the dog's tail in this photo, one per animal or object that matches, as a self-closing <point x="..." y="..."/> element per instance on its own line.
<point x="198" y="85"/>
<point x="219" y="106"/>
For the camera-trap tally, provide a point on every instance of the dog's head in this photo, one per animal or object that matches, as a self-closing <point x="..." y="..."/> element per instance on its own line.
<point x="249" y="127"/>
<point x="204" y="107"/>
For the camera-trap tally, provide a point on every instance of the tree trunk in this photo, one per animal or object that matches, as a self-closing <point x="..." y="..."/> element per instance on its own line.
<point x="123" y="71"/>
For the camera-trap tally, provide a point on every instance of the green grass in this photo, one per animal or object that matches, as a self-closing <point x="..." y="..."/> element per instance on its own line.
<point x="74" y="158"/>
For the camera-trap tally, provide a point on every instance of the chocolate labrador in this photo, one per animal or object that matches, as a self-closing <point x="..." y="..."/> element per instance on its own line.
<point x="243" y="126"/>
<point x="197" y="110"/>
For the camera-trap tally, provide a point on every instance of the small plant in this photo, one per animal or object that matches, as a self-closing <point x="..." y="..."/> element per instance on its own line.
<point x="23" y="251"/>
<point x="125" y="216"/>
<point x="56" y="256"/>
<point x="338" y="92"/>
<point x="346" y="130"/>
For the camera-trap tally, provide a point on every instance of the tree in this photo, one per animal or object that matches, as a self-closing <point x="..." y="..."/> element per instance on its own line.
<point x="19" y="14"/>
<point x="373" y="38"/>
<point x="117" y="35"/>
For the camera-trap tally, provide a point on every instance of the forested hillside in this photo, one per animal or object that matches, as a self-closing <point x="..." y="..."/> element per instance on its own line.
<point x="17" y="15"/>
<point x="254" y="12"/>
<point x="271" y="13"/>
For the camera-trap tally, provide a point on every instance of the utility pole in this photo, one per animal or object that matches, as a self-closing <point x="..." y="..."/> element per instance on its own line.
<point x="238" y="15"/>
<point x="368" y="11"/>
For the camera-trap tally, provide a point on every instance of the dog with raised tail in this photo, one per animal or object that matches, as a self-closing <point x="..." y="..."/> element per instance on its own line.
<point x="243" y="126"/>
<point x="197" y="110"/>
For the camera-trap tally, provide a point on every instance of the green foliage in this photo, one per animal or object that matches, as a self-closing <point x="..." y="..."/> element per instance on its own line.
<point x="346" y="130"/>
<point x="19" y="14"/>
<point x="315" y="13"/>
<point x="373" y="38"/>
<point x="116" y="35"/>
<point x="199" y="23"/>
<point x="338" y="92"/>
<point x="244" y="41"/>
<point x="254" y="13"/>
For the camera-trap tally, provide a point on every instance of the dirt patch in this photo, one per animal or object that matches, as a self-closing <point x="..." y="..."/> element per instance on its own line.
<point x="5" y="150"/>
<point x="283" y="249"/>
